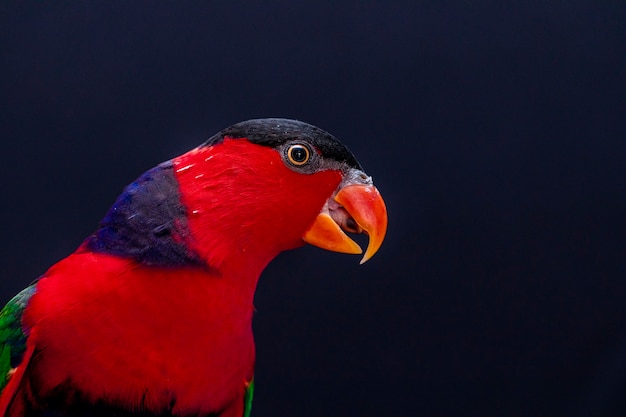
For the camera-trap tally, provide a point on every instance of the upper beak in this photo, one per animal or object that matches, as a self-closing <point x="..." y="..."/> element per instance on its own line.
<point x="355" y="208"/>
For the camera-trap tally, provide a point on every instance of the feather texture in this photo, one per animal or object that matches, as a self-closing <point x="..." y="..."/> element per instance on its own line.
<point x="152" y="315"/>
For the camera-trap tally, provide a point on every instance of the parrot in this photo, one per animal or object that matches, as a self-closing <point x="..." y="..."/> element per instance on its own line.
<point x="152" y="314"/>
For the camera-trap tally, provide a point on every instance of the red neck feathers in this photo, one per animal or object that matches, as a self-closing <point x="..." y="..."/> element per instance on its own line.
<point x="245" y="206"/>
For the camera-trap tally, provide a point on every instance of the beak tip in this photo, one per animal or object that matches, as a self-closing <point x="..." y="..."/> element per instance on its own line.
<point x="372" y="249"/>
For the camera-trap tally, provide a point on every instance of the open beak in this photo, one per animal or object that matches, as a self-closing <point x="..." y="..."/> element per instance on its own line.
<point x="355" y="208"/>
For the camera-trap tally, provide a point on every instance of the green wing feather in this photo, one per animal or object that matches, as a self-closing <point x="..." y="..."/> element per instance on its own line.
<point x="247" y="401"/>
<point x="12" y="337"/>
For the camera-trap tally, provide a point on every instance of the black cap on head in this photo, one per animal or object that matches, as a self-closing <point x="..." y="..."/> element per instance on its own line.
<point x="275" y="132"/>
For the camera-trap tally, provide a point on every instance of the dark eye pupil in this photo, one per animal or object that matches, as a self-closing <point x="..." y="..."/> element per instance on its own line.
<point x="299" y="154"/>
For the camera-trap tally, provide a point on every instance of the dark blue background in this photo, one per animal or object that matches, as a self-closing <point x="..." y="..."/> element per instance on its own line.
<point x="495" y="131"/>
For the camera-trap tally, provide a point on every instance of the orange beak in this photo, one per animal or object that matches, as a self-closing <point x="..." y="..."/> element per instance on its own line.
<point x="357" y="209"/>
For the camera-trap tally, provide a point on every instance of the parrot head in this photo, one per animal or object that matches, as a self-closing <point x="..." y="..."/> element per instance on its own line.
<point x="264" y="186"/>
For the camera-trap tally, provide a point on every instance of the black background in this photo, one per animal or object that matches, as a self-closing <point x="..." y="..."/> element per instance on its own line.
<point x="495" y="131"/>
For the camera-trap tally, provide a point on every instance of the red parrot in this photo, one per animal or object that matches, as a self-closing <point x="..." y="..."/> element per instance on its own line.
<point x="152" y="314"/>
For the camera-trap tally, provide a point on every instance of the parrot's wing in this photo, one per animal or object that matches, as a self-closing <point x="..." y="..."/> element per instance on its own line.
<point x="247" y="402"/>
<point x="12" y="346"/>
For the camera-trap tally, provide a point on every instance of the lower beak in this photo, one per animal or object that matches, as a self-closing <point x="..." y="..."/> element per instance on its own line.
<point x="357" y="209"/>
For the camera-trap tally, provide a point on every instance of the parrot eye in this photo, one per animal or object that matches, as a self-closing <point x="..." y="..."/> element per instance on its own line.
<point x="298" y="155"/>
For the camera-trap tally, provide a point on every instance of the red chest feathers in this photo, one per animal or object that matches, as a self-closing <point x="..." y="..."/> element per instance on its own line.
<point x="141" y="337"/>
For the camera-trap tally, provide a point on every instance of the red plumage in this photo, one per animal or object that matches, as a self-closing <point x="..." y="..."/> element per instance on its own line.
<point x="142" y="336"/>
<point x="115" y="324"/>
<point x="249" y="205"/>
<point x="188" y="339"/>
